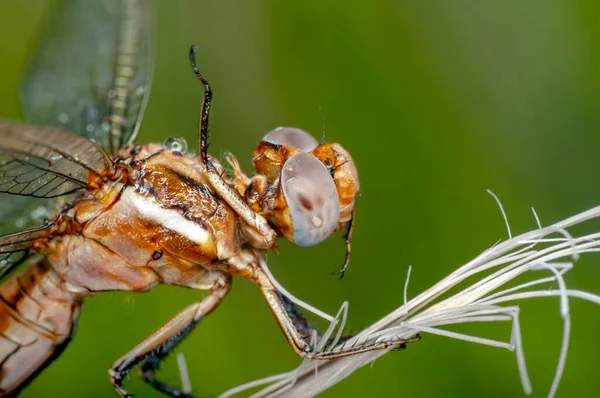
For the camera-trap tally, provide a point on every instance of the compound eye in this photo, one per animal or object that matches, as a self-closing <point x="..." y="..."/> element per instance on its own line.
<point x="312" y="199"/>
<point x="292" y="137"/>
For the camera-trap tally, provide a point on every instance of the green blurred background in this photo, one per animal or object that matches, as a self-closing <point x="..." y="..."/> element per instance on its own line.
<point x="437" y="101"/>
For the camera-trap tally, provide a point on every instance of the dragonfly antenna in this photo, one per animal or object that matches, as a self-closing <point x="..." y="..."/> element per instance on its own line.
<point x="204" y="109"/>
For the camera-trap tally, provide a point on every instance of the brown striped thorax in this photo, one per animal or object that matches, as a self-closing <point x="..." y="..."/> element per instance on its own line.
<point x="309" y="189"/>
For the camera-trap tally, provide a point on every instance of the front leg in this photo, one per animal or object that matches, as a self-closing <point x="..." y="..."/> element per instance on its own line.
<point x="298" y="331"/>
<point x="263" y="232"/>
<point x="293" y="324"/>
<point x="160" y="343"/>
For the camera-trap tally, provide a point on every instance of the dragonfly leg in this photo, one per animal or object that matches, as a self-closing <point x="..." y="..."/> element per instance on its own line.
<point x="305" y="329"/>
<point x="265" y="235"/>
<point x="160" y="343"/>
<point x="348" y="240"/>
<point x="298" y="331"/>
<point x="151" y="364"/>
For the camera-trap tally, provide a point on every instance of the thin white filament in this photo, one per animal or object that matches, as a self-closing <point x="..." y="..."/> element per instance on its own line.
<point x="343" y="312"/>
<point x="406" y="285"/>
<point x="537" y="219"/>
<point x="593" y="298"/>
<point x="254" y="384"/>
<point x="564" y="311"/>
<point x="517" y="341"/>
<point x="478" y="302"/>
<point x="503" y="213"/>
<point x="459" y="336"/>
<point x="291" y="297"/>
<point x="186" y="385"/>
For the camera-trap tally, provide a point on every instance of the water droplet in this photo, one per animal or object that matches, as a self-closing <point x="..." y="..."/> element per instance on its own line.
<point x="176" y="144"/>
<point x="104" y="128"/>
<point x="55" y="156"/>
<point x="40" y="213"/>
<point x="63" y="118"/>
<point x="21" y="222"/>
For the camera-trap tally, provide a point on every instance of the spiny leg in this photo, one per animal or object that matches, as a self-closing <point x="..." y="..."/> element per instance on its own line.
<point x="158" y="345"/>
<point x="296" y="328"/>
<point x="348" y="240"/>
<point x="224" y="190"/>
<point x="150" y="365"/>
<point x="304" y="327"/>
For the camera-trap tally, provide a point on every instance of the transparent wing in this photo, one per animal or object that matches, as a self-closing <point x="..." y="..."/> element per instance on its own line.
<point x="14" y="248"/>
<point x="46" y="163"/>
<point x="41" y="162"/>
<point x="30" y="177"/>
<point x="92" y="74"/>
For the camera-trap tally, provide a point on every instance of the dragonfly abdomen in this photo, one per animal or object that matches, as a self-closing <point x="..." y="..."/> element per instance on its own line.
<point x="37" y="316"/>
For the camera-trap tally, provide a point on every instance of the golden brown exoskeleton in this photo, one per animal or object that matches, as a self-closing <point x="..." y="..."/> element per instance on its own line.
<point x="152" y="214"/>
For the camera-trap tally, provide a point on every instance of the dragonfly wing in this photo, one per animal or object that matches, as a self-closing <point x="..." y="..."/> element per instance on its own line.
<point x="41" y="162"/>
<point x="14" y="248"/>
<point x="92" y="73"/>
<point x="46" y="163"/>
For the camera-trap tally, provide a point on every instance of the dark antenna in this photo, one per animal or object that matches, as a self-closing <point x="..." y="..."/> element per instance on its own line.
<point x="204" y="109"/>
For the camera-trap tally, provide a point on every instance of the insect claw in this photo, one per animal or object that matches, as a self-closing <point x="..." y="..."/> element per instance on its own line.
<point x="399" y="347"/>
<point x="341" y="271"/>
<point x="308" y="349"/>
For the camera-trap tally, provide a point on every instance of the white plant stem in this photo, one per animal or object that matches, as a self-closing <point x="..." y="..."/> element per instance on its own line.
<point x="530" y="253"/>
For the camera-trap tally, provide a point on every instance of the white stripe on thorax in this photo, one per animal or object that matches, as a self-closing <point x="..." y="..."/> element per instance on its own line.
<point x="149" y="209"/>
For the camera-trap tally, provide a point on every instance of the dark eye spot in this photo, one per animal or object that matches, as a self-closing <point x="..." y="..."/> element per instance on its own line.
<point x="305" y="202"/>
<point x="134" y="151"/>
<point x="157" y="254"/>
<point x="328" y="162"/>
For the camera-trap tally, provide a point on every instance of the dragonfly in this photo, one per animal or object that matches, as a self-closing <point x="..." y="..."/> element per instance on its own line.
<point x="99" y="213"/>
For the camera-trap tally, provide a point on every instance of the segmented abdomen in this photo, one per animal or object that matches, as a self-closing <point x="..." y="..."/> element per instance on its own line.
<point x="36" y="320"/>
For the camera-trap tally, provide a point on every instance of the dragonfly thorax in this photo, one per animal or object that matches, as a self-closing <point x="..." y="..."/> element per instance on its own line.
<point x="162" y="223"/>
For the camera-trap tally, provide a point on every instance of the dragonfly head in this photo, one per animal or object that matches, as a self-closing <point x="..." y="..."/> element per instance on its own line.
<point x="316" y="184"/>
